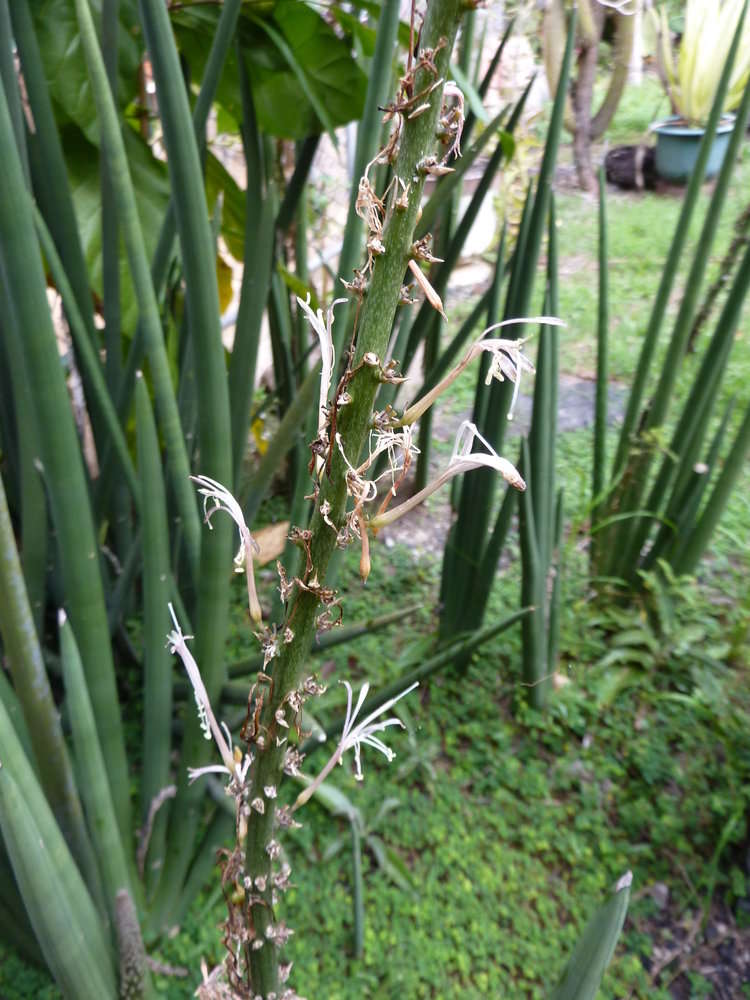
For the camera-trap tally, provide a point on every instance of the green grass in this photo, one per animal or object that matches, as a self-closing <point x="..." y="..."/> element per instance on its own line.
<point x="512" y="827"/>
<point x="525" y="822"/>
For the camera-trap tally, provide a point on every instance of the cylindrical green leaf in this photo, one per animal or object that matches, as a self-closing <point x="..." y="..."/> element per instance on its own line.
<point x="602" y="369"/>
<point x="81" y="969"/>
<point x="73" y="935"/>
<point x="89" y="362"/>
<point x="47" y="161"/>
<point x="112" y="142"/>
<point x="358" y="894"/>
<point x="40" y="714"/>
<point x="157" y="661"/>
<point x="689" y="554"/>
<point x="670" y="267"/>
<point x="61" y="458"/>
<point x="593" y="953"/>
<point x="95" y="790"/>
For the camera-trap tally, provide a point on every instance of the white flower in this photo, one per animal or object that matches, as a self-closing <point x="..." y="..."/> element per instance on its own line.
<point x="507" y="362"/>
<point x="322" y="326"/>
<point x="232" y="766"/>
<point x="221" y="499"/>
<point x="388" y="440"/>
<point x="355" y="734"/>
<point x="462" y="460"/>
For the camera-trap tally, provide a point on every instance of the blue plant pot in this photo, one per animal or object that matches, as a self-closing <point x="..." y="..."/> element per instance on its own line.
<point x="677" y="147"/>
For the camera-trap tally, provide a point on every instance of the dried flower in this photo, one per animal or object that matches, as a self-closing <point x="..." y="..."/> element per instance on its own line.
<point x="322" y="325"/>
<point x="507" y="362"/>
<point x="236" y="769"/>
<point x="430" y="294"/>
<point x="211" y="490"/>
<point x="462" y="460"/>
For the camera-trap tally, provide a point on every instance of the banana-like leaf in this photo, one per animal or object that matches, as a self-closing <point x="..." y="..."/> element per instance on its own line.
<point x="65" y="68"/>
<point x="593" y="953"/>
<point x="303" y="76"/>
<point x="152" y="195"/>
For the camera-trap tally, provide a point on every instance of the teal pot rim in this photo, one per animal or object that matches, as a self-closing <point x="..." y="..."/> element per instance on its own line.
<point x="676" y="125"/>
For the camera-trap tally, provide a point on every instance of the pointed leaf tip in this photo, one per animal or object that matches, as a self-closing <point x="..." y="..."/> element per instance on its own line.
<point x="624" y="882"/>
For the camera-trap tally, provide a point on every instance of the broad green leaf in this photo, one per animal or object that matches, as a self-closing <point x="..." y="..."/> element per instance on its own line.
<point x="301" y="77"/>
<point x="220" y="181"/>
<point x="152" y="192"/>
<point x="310" y="67"/>
<point x="333" y="81"/>
<point x="65" y="67"/>
<point x="372" y="7"/>
<point x="583" y="973"/>
<point x="325" y="59"/>
<point x="364" y="33"/>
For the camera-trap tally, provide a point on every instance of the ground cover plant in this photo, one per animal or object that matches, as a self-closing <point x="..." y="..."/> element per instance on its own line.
<point x="500" y="830"/>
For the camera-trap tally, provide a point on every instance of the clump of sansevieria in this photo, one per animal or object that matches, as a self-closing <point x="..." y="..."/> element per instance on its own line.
<point x="350" y="505"/>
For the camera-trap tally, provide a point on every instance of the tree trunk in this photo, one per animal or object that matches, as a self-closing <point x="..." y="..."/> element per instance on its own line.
<point x="583" y="93"/>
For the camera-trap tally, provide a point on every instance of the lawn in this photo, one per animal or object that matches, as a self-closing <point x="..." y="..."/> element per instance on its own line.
<point x="495" y="831"/>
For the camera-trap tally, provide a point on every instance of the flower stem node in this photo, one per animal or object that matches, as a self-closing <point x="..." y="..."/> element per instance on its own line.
<point x="376" y="246"/>
<point x="431" y="166"/>
<point x="273" y="849"/>
<point x="420" y="250"/>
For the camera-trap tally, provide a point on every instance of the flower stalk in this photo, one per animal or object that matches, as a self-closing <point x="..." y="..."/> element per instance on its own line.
<point x="416" y="140"/>
<point x="340" y="491"/>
